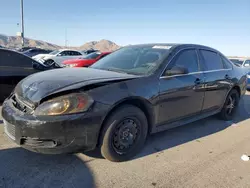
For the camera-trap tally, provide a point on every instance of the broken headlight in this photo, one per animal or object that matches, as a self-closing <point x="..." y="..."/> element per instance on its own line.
<point x="67" y="104"/>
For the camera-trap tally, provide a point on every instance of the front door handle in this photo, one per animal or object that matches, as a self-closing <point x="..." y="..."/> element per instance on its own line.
<point x="227" y="77"/>
<point x="197" y="81"/>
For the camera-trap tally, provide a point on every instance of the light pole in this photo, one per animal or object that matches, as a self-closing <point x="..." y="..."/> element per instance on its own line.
<point x="22" y="24"/>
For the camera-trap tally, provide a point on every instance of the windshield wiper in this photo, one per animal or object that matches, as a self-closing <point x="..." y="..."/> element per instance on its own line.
<point x="116" y="70"/>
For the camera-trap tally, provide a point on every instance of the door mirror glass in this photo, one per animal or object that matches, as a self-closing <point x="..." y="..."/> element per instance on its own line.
<point x="176" y="71"/>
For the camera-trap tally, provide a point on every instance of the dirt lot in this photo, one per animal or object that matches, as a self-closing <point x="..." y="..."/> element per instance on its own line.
<point x="202" y="154"/>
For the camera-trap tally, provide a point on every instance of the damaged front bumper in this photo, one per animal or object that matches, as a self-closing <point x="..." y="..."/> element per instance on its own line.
<point x="52" y="134"/>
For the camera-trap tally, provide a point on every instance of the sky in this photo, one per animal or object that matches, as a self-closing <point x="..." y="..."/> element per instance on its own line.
<point x="221" y="24"/>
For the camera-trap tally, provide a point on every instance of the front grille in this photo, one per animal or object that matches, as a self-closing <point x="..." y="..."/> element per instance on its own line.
<point x="21" y="105"/>
<point x="10" y="130"/>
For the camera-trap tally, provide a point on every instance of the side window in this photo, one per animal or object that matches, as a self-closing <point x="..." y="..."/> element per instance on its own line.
<point x="65" y="53"/>
<point x="75" y="53"/>
<point x="186" y="59"/>
<point x="14" y="59"/>
<point x="211" y="60"/>
<point x="226" y="63"/>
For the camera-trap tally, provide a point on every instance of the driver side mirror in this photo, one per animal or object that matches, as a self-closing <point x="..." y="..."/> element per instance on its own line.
<point x="176" y="71"/>
<point x="246" y="65"/>
<point x="59" y="55"/>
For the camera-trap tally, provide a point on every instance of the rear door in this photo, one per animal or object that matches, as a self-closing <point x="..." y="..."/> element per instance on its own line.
<point x="217" y="79"/>
<point x="13" y="68"/>
<point x="181" y="96"/>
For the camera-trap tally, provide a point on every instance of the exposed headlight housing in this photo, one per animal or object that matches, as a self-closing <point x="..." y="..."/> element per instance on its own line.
<point x="67" y="104"/>
<point x="41" y="60"/>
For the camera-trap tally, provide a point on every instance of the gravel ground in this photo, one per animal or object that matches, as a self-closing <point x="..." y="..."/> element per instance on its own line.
<point x="201" y="154"/>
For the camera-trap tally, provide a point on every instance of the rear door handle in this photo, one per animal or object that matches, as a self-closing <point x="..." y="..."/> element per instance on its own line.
<point x="197" y="81"/>
<point x="227" y="76"/>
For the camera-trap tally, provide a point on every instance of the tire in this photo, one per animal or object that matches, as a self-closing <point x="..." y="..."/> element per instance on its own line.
<point x="232" y="97"/>
<point x="126" y="122"/>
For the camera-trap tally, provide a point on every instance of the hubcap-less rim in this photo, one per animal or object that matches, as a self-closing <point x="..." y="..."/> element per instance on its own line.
<point x="230" y="105"/>
<point x="125" y="136"/>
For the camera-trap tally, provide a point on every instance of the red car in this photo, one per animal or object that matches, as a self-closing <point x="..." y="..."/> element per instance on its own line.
<point x="85" y="61"/>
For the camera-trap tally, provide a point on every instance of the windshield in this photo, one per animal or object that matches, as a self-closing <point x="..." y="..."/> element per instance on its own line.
<point x="132" y="60"/>
<point x="92" y="55"/>
<point x="54" y="52"/>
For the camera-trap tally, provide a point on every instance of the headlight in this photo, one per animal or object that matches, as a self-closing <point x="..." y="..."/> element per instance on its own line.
<point x="41" y="60"/>
<point x="68" y="104"/>
<point x="71" y="65"/>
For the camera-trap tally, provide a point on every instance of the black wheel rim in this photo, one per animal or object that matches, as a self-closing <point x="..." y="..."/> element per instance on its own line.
<point x="231" y="104"/>
<point x="125" y="135"/>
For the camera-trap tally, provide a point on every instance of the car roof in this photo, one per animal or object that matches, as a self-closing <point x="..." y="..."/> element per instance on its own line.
<point x="174" y="45"/>
<point x="67" y="49"/>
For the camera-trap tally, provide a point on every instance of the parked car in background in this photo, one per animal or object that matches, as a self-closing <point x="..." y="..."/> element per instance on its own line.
<point x="23" y="49"/>
<point x="115" y="103"/>
<point x="237" y="62"/>
<point x="56" y="57"/>
<point x="246" y="63"/>
<point x="36" y="51"/>
<point x="85" y="61"/>
<point x="89" y="51"/>
<point x="15" y="66"/>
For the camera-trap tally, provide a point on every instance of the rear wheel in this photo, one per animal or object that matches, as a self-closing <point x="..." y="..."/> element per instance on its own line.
<point x="124" y="133"/>
<point x="230" y="105"/>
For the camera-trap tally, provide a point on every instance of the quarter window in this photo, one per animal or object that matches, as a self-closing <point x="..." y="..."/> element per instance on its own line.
<point x="211" y="60"/>
<point x="226" y="63"/>
<point x="186" y="59"/>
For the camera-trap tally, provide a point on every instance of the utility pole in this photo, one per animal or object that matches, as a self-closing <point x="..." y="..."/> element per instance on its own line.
<point x="66" y="38"/>
<point x="22" y="24"/>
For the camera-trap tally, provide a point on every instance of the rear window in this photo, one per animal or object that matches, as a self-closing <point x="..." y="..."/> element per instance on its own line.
<point x="211" y="60"/>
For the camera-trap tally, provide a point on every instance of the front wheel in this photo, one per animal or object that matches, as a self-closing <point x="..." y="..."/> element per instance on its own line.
<point x="230" y="105"/>
<point x="124" y="133"/>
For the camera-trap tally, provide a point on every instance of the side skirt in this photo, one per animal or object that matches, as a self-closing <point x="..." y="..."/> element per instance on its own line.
<point x="167" y="126"/>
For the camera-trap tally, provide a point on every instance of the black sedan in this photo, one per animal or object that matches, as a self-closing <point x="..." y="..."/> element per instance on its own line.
<point x="14" y="67"/>
<point x="117" y="102"/>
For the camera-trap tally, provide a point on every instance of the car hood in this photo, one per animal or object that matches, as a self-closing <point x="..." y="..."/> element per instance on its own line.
<point x="39" y="56"/>
<point x="40" y="85"/>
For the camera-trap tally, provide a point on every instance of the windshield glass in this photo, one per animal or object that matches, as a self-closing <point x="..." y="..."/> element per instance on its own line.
<point x="54" y="52"/>
<point x="92" y="55"/>
<point x="132" y="60"/>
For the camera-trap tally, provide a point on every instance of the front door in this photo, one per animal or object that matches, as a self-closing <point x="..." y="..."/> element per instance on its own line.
<point x="181" y="96"/>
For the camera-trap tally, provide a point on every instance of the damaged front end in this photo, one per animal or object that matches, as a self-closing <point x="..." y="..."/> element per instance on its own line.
<point x="53" y="113"/>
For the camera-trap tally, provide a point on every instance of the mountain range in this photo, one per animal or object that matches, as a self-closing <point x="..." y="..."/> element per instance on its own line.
<point x="15" y="42"/>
